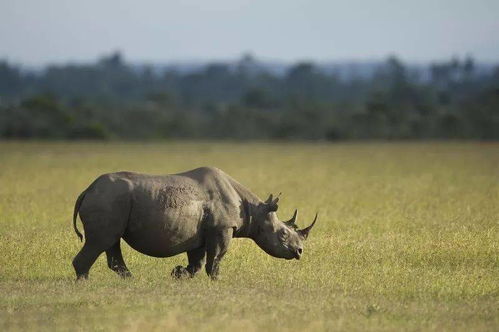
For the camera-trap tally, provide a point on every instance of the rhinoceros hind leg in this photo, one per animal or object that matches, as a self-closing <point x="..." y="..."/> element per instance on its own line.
<point x="115" y="261"/>
<point x="95" y="244"/>
<point x="85" y="259"/>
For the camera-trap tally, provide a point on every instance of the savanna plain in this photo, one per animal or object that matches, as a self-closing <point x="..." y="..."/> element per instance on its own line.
<point x="407" y="239"/>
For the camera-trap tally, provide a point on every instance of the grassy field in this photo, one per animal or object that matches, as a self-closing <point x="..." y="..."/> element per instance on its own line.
<point x="407" y="239"/>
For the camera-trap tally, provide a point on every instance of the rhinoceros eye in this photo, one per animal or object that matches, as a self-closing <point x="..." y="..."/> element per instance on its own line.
<point x="284" y="234"/>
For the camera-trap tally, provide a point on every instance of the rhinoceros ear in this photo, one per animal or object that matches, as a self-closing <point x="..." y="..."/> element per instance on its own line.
<point x="271" y="203"/>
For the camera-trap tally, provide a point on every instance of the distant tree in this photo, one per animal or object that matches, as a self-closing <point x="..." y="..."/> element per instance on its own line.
<point x="257" y="98"/>
<point x="114" y="99"/>
<point x="11" y="81"/>
<point x="113" y="60"/>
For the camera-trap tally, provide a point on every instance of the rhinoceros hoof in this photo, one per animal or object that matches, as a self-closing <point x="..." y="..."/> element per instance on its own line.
<point x="125" y="274"/>
<point x="180" y="272"/>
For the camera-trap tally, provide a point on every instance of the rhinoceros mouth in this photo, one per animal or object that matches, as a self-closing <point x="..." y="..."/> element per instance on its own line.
<point x="294" y="254"/>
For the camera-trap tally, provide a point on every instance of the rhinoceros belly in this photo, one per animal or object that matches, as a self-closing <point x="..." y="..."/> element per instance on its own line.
<point x="165" y="222"/>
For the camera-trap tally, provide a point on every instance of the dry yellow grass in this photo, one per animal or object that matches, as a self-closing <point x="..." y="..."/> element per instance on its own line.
<point x="408" y="238"/>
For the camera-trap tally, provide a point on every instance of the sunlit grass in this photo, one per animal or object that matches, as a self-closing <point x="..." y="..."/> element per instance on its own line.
<point x="407" y="238"/>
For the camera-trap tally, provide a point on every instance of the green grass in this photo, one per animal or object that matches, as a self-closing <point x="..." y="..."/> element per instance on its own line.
<point x="407" y="239"/>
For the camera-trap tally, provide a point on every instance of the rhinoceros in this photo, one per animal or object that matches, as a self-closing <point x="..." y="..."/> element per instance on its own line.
<point x="197" y="212"/>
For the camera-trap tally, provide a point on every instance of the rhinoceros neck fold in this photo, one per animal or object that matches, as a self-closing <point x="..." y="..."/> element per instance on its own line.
<point x="248" y="203"/>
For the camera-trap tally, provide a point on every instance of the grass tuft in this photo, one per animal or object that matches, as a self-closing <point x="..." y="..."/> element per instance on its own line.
<point x="407" y="239"/>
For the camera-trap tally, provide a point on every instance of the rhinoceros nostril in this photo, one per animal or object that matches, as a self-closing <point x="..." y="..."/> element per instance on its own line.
<point x="300" y="250"/>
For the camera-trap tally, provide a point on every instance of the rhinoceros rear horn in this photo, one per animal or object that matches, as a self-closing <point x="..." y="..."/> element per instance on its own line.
<point x="304" y="232"/>
<point x="291" y="222"/>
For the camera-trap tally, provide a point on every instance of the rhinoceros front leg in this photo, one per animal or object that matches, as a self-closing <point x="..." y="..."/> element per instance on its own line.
<point x="217" y="243"/>
<point x="196" y="262"/>
<point x="197" y="257"/>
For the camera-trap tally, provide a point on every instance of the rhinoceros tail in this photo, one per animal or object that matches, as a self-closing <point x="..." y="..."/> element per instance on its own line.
<point x="75" y="214"/>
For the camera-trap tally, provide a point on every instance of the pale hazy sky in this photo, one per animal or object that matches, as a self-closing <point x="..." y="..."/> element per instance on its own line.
<point x="37" y="32"/>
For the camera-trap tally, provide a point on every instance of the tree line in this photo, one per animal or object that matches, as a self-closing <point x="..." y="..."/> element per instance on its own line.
<point x="113" y="99"/>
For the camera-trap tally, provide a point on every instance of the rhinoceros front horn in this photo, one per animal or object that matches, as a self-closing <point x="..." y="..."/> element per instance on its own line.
<point x="304" y="232"/>
<point x="291" y="222"/>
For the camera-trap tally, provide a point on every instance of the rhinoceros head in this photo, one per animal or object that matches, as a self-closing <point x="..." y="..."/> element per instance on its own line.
<point x="277" y="238"/>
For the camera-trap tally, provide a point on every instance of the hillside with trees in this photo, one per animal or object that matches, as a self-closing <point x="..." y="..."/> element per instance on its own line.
<point x="247" y="99"/>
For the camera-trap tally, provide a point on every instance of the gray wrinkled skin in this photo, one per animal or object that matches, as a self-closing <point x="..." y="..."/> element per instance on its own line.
<point x="197" y="212"/>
